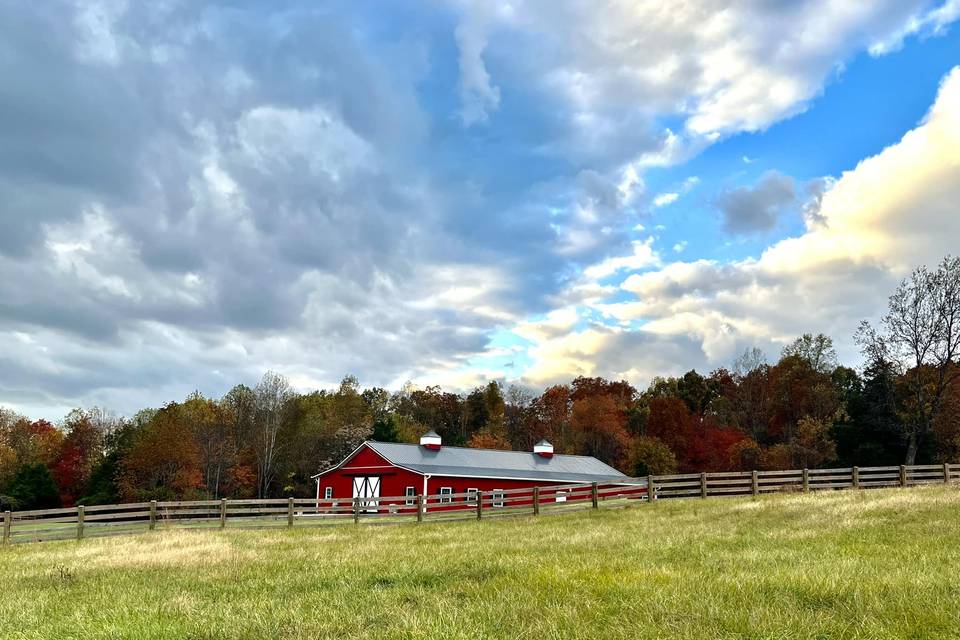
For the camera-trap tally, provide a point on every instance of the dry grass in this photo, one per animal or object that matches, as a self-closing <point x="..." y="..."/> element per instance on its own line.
<point x="872" y="564"/>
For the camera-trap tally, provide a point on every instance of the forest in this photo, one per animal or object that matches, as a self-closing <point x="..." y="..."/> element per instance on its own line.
<point x="902" y="405"/>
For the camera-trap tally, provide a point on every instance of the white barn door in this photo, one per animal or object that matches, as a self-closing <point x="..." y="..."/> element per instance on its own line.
<point x="367" y="488"/>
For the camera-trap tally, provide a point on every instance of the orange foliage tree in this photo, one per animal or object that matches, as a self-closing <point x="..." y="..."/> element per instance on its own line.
<point x="598" y="427"/>
<point x="164" y="461"/>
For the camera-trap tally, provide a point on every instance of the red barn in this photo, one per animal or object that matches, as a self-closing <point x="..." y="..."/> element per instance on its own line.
<point x="382" y="469"/>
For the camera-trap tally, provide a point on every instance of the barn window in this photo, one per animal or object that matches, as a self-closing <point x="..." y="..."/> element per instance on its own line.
<point x="410" y="493"/>
<point x="328" y="492"/>
<point x="472" y="495"/>
<point x="498" y="497"/>
<point x="561" y="496"/>
<point x="445" y="493"/>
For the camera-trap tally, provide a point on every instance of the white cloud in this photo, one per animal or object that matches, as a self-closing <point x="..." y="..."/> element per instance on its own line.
<point x="643" y="256"/>
<point x="664" y="199"/>
<point x="721" y="67"/>
<point x="933" y="21"/>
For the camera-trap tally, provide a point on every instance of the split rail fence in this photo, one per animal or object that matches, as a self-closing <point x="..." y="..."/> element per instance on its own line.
<point x="117" y="519"/>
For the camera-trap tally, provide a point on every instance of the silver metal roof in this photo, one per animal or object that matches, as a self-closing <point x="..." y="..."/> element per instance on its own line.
<point x="490" y="463"/>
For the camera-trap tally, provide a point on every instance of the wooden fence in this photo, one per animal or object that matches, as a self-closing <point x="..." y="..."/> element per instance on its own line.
<point x="117" y="519"/>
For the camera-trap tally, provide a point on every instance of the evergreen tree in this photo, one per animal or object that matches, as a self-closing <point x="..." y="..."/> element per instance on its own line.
<point x="33" y="488"/>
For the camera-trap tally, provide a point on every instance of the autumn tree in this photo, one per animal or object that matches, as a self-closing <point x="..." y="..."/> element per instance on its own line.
<point x="920" y="334"/>
<point x="272" y="399"/>
<point x="81" y="451"/>
<point x="487" y="439"/>
<point x="239" y="407"/>
<point x="103" y="486"/>
<point x="598" y="428"/>
<point x="516" y="417"/>
<point x="549" y="418"/>
<point x="430" y="408"/>
<point x="816" y="350"/>
<point x="671" y="422"/>
<point x="327" y="427"/>
<point x="484" y="411"/>
<point x="651" y="456"/>
<point x="745" y="455"/>
<point x="164" y="461"/>
<point x="212" y="428"/>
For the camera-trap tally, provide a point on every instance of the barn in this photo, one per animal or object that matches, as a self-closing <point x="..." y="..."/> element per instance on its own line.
<point x="380" y="472"/>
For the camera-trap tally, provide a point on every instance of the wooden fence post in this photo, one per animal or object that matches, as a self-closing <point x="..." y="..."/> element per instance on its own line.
<point x="703" y="484"/>
<point x="946" y="472"/>
<point x="419" y="509"/>
<point x="7" y="523"/>
<point x="79" y="522"/>
<point x="356" y="511"/>
<point x="223" y="513"/>
<point x="536" y="501"/>
<point x="289" y="512"/>
<point x="855" y="477"/>
<point x="595" y="495"/>
<point x="903" y="475"/>
<point x="754" y="483"/>
<point x="479" y="504"/>
<point x="153" y="515"/>
<point x="806" y="480"/>
<point x="651" y="490"/>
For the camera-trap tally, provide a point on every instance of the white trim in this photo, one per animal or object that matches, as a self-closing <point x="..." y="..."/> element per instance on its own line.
<point x="410" y="495"/>
<point x="327" y="493"/>
<point x="498" y="496"/>
<point x="601" y="479"/>
<point x="476" y="493"/>
<point x="448" y="491"/>
<point x="377" y="466"/>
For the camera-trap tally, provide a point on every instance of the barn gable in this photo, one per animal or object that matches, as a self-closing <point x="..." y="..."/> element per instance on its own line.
<point x="363" y="459"/>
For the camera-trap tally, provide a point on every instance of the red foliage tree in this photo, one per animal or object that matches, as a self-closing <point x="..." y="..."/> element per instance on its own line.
<point x="80" y="451"/>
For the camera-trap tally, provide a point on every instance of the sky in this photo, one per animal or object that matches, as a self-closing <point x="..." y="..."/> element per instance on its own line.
<point x="193" y="193"/>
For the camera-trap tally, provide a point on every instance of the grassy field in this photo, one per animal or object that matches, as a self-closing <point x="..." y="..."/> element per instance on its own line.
<point x="870" y="564"/>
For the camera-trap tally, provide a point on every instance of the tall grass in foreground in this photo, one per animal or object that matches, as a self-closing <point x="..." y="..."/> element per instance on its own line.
<point x="874" y="564"/>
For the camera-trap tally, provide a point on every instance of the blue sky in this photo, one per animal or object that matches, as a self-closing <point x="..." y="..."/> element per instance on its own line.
<point x="452" y="192"/>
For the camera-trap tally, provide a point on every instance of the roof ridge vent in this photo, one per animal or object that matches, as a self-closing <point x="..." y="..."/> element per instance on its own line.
<point x="543" y="449"/>
<point x="431" y="440"/>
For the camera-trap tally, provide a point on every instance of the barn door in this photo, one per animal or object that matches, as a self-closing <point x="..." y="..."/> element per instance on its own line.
<point x="367" y="488"/>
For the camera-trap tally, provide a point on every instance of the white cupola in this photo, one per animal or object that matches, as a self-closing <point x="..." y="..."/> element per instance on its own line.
<point x="430" y="440"/>
<point x="543" y="449"/>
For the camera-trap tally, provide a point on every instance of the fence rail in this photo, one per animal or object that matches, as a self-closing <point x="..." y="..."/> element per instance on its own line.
<point x="119" y="519"/>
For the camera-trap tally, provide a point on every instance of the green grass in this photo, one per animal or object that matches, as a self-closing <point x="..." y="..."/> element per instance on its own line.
<point x="870" y="564"/>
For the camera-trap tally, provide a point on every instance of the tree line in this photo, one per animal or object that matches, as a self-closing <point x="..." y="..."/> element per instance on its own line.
<point x="804" y="410"/>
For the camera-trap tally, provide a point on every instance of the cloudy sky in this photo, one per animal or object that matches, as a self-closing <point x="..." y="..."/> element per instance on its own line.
<point x="192" y="193"/>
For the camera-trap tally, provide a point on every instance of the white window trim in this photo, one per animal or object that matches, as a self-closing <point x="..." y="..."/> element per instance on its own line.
<point x="410" y="493"/>
<point x="445" y="494"/>
<point x="327" y="493"/>
<point x="498" y="497"/>
<point x="472" y="499"/>
<point x="561" y="496"/>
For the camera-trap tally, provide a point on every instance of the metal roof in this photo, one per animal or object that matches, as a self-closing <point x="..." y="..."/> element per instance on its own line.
<point x="491" y="463"/>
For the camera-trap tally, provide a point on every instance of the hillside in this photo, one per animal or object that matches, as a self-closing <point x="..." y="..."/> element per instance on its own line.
<point x="848" y="564"/>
